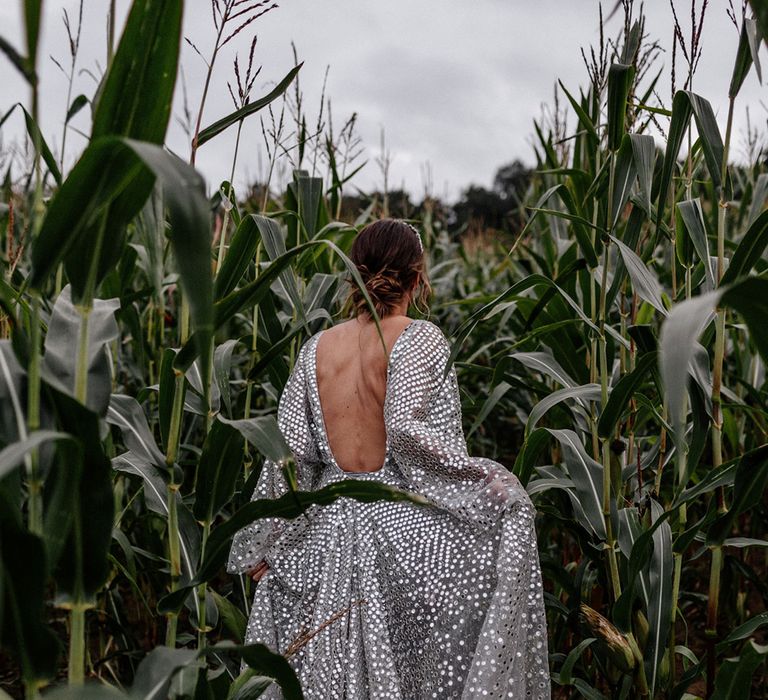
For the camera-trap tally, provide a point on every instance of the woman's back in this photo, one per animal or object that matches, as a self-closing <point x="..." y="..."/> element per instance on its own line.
<point x="351" y="369"/>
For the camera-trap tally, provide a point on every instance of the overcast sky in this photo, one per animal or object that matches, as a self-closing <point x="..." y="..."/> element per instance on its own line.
<point x="455" y="84"/>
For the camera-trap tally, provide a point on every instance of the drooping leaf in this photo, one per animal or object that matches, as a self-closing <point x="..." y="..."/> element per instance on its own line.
<point x="21" y="63"/>
<point x="644" y="282"/>
<point x="749" y="251"/>
<point x="587" y="478"/>
<point x="746" y="53"/>
<point x="587" y="392"/>
<point x="264" y="434"/>
<point x="62" y="347"/>
<point x="693" y="218"/>
<point x="157" y="668"/>
<point x="126" y="413"/>
<point x="105" y="168"/>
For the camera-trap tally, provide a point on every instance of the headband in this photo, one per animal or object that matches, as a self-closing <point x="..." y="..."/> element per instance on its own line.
<point x="416" y="231"/>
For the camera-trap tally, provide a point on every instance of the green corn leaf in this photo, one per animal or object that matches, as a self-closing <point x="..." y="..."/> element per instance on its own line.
<point x="36" y="137"/>
<point x="743" y="631"/>
<point x="23" y="584"/>
<point x="263" y="433"/>
<point x="240" y="255"/>
<point x="107" y="166"/>
<point x="21" y="63"/>
<point x="746" y="54"/>
<point x="126" y="414"/>
<point x="32" y="16"/>
<point x="734" y="677"/>
<point x="693" y="219"/>
<point x="684" y="105"/>
<point x="217" y="470"/>
<point x="77" y="104"/>
<point x="622" y="392"/>
<point x="625" y="174"/>
<point x="156" y="670"/>
<point x="644" y="282"/>
<point x="588" y="392"/>
<point x="83" y="566"/>
<point x="660" y="575"/>
<point x="644" y="156"/>
<point x="749" y="486"/>
<point x="620" y="77"/>
<point x="761" y="17"/>
<point x="12" y="456"/>
<point x="587" y="476"/>
<point x="584" y="119"/>
<point x="749" y="250"/>
<point x="685" y="324"/>
<point x="136" y="96"/>
<point x="251" y="108"/>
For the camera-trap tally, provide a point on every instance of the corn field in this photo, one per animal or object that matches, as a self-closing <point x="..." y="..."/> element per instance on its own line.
<point x="611" y="352"/>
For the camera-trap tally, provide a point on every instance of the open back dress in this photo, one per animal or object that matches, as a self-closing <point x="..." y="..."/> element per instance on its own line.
<point x="395" y="600"/>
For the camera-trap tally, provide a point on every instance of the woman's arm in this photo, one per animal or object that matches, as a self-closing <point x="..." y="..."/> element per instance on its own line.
<point x="252" y="542"/>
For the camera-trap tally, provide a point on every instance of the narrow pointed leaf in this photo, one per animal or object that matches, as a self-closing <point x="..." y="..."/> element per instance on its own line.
<point x="252" y="107"/>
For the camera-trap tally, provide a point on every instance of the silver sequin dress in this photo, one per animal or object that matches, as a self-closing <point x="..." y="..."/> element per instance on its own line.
<point x="411" y="602"/>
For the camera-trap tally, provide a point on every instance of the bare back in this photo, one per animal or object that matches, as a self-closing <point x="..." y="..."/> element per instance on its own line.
<point x="351" y="380"/>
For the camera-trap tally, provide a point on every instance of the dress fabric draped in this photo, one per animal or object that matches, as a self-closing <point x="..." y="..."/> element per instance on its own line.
<point x="395" y="600"/>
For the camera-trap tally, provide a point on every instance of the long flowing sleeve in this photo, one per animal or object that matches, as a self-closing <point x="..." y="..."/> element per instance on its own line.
<point x="424" y="428"/>
<point x="251" y="543"/>
<point x="424" y="424"/>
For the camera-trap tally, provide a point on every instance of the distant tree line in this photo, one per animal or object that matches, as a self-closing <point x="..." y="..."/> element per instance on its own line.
<point x="478" y="210"/>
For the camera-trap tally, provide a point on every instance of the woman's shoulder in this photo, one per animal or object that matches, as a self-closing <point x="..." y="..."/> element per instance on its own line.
<point x="425" y="328"/>
<point x="426" y="339"/>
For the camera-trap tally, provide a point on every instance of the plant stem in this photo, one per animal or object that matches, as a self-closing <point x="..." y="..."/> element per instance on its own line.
<point x="174" y="548"/>
<point x="81" y="368"/>
<point x="202" y="640"/>
<point x="77" y="613"/>
<point x="111" y="32"/>
<point x="222" y="22"/>
<point x="613" y="568"/>
<point x="35" y="483"/>
<point x="717" y="416"/>
<point x="223" y="235"/>
<point x="77" y="644"/>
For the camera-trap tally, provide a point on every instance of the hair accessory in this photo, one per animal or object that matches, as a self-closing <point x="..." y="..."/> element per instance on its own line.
<point x="416" y="231"/>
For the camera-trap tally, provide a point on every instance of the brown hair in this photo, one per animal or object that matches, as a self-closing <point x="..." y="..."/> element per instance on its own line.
<point x="389" y="257"/>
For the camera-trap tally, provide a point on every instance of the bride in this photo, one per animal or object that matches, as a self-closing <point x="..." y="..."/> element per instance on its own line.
<point x="393" y="600"/>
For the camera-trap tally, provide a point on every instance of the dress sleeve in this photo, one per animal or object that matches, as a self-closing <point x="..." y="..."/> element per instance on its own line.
<point x="424" y="427"/>
<point x="251" y="543"/>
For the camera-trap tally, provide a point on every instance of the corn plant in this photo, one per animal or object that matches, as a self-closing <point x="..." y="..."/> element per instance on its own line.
<point x="632" y="344"/>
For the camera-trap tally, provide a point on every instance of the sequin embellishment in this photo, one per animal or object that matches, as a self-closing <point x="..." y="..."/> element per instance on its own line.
<point x="411" y="602"/>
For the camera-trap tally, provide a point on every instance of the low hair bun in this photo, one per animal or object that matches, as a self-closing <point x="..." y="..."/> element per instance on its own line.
<point x="389" y="256"/>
